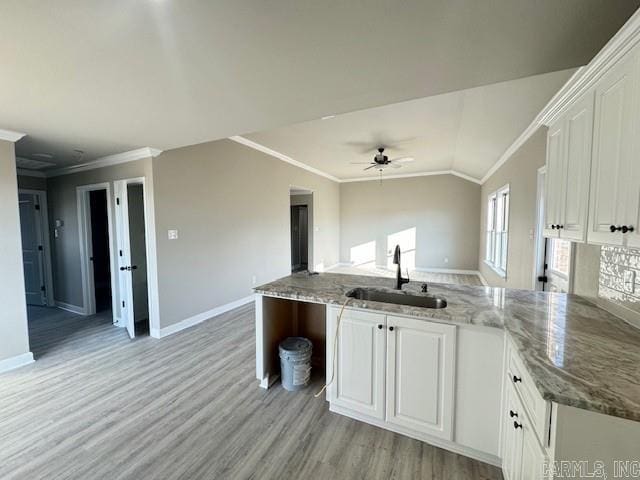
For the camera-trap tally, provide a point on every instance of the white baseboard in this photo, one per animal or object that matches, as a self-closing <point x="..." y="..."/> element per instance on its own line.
<point x="482" y="279"/>
<point x="337" y="265"/>
<point x="201" y="317"/>
<point x="70" y="308"/>
<point x="15" y="362"/>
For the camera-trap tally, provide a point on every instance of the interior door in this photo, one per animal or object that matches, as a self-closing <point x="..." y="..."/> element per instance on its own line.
<point x="420" y="375"/>
<point x="359" y="382"/>
<point x="579" y="125"/>
<point x="125" y="279"/>
<point x="32" y="248"/>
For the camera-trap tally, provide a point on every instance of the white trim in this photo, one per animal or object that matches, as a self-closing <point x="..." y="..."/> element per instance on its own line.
<point x="84" y="234"/>
<point x="411" y="175"/>
<point x="116" y="159"/>
<point x="444" y="270"/>
<point x="70" y="308"/>
<point x="498" y="271"/>
<point x="261" y="148"/>
<point x="46" y="232"/>
<point x="199" y="318"/>
<point x="338" y="265"/>
<point x="482" y="279"/>
<point x="539" y="240"/>
<point x="435" y="441"/>
<point x="23" y="172"/>
<point x="12" y="363"/>
<point x="10" y="136"/>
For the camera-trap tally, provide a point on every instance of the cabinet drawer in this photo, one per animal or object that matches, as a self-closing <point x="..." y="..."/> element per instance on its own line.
<point x="536" y="407"/>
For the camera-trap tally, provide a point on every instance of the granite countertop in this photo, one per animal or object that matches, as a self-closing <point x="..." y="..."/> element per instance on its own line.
<point x="577" y="353"/>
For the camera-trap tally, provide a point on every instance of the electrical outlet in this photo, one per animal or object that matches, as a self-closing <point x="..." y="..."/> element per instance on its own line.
<point x="629" y="277"/>
<point x="254" y="280"/>
<point x="173" y="234"/>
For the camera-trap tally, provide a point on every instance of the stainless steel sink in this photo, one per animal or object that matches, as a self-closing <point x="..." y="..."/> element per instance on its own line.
<point x="373" y="295"/>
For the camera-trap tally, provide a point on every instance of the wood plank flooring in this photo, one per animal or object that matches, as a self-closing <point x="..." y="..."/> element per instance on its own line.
<point x="430" y="277"/>
<point x="96" y="405"/>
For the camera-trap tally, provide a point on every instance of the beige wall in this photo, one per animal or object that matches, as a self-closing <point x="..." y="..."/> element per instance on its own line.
<point x="443" y="209"/>
<point x="231" y="207"/>
<point x="14" y="338"/>
<point x="521" y="173"/>
<point x="62" y="198"/>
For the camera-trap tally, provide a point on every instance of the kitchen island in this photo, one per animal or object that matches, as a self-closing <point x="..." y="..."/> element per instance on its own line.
<point x="563" y="357"/>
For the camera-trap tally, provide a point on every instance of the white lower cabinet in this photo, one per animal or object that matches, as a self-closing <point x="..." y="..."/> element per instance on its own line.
<point x="360" y="357"/>
<point x="414" y="359"/>
<point x="420" y="359"/>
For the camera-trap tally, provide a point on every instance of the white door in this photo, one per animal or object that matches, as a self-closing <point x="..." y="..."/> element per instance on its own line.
<point x="613" y="136"/>
<point x="554" y="179"/>
<point x="512" y="436"/>
<point x="575" y="191"/>
<point x="125" y="279"/>
<point x="420" y="375"/>
<point x="359" y="369"/>
<point x="32" y="248"/>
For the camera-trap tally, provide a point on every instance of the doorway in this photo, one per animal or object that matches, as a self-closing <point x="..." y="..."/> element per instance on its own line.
<point x="131" y="215"/>
<point x="36" y="259"/>
<point x="100" y="251"/>
<point x="301" y="208"/>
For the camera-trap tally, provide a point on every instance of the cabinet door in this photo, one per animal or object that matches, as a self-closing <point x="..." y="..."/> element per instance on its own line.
<point x="511" y="436"/>
<point x="359" y="370"/>
<point x="554" y="179"/>
<point x="420" y="375"/>
<point x="533" y="457"/>
<point x="575" y="191"/>
<point x="612" y="150"/>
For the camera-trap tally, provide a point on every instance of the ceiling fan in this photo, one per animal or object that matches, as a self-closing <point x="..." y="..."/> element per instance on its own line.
<point x="381" y="161"/>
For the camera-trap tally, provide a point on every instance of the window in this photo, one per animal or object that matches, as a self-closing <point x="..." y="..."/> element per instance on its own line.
<point x="560" y="257"/>
<point x="498" y="230"/>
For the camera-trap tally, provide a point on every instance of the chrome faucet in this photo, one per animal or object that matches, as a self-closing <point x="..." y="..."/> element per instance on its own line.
<point x="396" y="260"/>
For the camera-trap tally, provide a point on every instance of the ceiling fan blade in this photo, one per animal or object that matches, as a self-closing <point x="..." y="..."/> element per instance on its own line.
<point x="403" y="159"/>
<point x="372" y="166"/>
<point x="360" y="163"/>
<point x="395" y="165"/>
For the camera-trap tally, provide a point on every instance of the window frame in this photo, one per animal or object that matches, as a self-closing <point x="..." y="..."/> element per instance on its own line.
<point x="497" y="230"/>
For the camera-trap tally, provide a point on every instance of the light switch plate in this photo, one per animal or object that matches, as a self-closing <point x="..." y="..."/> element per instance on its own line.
<point x="173" y="234"/>
<point x="629" y="281"/>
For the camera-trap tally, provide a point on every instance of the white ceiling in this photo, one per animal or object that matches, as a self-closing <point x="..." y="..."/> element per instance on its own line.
<point x="110" y="76"/>
<point x="465" y="131"/>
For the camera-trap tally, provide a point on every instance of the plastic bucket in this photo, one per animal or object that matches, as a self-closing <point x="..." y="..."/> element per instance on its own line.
<point x="295" y="363"/>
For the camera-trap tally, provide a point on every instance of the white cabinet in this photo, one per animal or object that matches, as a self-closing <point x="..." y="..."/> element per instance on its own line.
<point x="360" y="358"/>
<point x="533" y="457"/>
<point x="414" y="359"/>
<point x="420" y="359"/>
<point x="614" y="176"/>
<point x="568" y="168"/>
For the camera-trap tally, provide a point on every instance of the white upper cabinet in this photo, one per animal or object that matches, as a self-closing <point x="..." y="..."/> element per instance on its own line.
<point x="359" y="372"/>
<point x="613" y="182"/>
<point x="420" y="374"/>
<point x="568" y="166"/>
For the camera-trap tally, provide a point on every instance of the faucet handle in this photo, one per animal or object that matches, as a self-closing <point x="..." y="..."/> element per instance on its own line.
<point x="408" y="279"/>
<point x="425" y="288"/>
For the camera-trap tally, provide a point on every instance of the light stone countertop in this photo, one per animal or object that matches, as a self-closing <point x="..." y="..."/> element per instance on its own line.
<point x="577" y="353"/>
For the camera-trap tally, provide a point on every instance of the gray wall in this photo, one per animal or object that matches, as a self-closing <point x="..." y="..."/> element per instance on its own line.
<point x="231" y="206"/>
<point x="32" y="183"/>
<point x="13" y="314"/>
<point x="65" y="249"/>
<point x="444" y="209"/>
<point x="521" y="173"/>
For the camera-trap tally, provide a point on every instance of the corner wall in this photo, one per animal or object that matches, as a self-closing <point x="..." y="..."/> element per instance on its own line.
<point x="521" y="173"/>
<point x="13" y="314"/>
<point x="231" y="207"/>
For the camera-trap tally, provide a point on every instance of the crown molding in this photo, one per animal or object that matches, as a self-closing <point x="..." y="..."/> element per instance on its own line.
<point x="580" y="83"/>
<point x="116" y="159"/>
<point x="261" y="148"/>
<point x="10" y="136"/>
<point x="22" y="172"/>
<point x="412" y="175"/>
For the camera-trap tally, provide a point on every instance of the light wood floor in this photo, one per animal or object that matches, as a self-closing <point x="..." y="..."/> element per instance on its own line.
<point x="96" y="405"/>
<point x="432" y="277"/>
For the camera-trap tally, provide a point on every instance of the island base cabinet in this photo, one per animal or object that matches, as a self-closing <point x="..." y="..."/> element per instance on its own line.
<point x="420" y="357"/>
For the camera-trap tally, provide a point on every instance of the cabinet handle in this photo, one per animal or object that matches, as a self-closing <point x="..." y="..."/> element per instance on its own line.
<point x="517" y="425"/>
<point x="612" y="228"/>
<point x="553" y="227"/>
<point x="391" y="329"/>
<point x="517" y="379"/>
<point x="560" y="226"/>
<point x="379" y="327"/>
<point x="626" y="229"/>
<point x="512" y="414"/>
